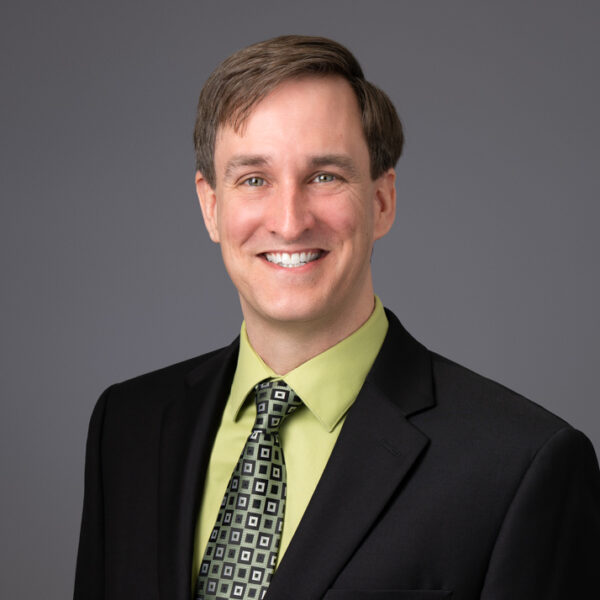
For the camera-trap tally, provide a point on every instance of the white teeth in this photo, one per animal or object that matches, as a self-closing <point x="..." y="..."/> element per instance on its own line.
<point x="296" y="259"/>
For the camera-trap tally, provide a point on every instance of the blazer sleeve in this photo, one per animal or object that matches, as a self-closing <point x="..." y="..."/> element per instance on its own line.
<point x="549" y="544"/>
<point x="89" y="574"/>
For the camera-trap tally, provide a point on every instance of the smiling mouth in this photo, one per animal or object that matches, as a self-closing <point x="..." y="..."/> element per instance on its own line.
<point x="294" y="259"/>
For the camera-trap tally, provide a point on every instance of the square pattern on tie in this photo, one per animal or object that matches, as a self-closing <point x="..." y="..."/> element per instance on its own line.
<point x="241" y="554"/>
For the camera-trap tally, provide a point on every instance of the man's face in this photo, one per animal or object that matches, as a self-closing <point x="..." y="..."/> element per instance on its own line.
<point x="294" y="207"/>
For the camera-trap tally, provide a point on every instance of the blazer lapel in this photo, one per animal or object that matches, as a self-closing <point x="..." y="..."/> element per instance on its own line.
<point x="188" y="429"/>
<point x="375" y="452"/>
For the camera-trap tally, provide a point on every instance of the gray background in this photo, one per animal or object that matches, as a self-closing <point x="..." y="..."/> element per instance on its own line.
<point x="107" y="271"/>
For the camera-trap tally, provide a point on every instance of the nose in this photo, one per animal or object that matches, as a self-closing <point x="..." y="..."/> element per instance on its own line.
<point x="290" y="213"/>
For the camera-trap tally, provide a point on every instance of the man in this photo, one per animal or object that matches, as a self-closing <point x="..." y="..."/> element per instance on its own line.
<point x="325" y="453"/>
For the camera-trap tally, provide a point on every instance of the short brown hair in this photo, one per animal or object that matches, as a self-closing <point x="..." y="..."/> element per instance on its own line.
<point x="247" y="76"/>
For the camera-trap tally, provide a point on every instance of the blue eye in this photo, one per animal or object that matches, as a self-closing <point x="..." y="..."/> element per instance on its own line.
<point x="324" y="178"/>
<point x="254" y="181"/>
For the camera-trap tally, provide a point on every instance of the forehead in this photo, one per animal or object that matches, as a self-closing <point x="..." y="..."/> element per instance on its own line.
<point x="298" y="92"/>
<point x="302" y="115"/>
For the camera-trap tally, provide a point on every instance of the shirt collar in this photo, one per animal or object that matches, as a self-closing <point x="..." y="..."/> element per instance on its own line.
<point x="327" y="383"/>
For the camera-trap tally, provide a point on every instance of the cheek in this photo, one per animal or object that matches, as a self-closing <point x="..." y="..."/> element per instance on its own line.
<point x="238" y="222"/>
<point x="347" y="217"/>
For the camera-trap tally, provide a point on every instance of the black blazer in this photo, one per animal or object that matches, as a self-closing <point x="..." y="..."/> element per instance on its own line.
<point x="442" y="484"/>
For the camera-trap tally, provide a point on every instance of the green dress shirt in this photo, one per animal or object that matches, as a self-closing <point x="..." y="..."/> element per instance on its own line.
<point x="328" y="385"/>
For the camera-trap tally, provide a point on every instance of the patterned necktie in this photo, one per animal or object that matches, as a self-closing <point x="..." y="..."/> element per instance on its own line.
<point x="241" y="553"/>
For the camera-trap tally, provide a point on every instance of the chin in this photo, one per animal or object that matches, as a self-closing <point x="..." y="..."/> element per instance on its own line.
<point x="294" y="316"/>
<point x="292" y="310"/>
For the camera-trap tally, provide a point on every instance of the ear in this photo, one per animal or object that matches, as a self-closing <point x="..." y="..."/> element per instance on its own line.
<point x="208" y="204"/>
<point x="384" y="203"/>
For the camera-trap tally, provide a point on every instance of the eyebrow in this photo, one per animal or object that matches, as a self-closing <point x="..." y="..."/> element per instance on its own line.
<point x="244" y="160"/>
<point x="342" y="161"/>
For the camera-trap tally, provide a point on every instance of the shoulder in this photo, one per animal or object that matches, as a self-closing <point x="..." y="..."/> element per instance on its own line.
<point x="495" y="442"/>
<point x="458" y="400"/>
<point x="163" y="385"/>
<point x="473" y="393"/>
<point x="493" y="417"/>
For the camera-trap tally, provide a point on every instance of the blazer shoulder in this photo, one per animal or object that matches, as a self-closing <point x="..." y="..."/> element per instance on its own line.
<point x="163" y="384"/>
<point x="466" y="403"/>
<point x="492" y="431"/>
<point x="485" y="402"/>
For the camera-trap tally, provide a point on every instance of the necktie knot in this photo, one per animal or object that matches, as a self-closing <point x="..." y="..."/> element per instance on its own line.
<point x="275" y="400"/>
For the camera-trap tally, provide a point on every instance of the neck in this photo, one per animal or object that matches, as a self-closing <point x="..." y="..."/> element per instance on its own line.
<point x="285" y="346"/>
